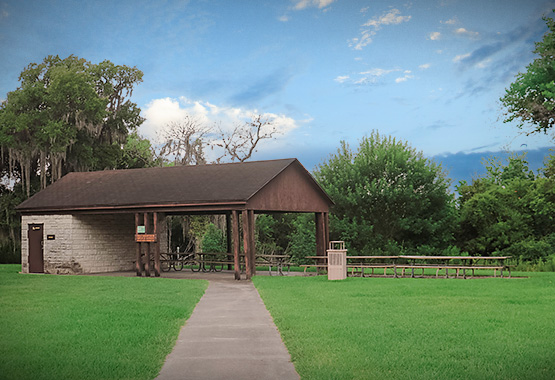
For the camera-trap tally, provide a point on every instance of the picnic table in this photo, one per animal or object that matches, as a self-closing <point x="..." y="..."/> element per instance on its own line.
<point x="277" y="261"/>
<point x="494" y="263"/>
<point x="358" y="264"/>
<point x="369" y="262"/>
<point x="210" y="262"/>
<point x="216" y="261"/>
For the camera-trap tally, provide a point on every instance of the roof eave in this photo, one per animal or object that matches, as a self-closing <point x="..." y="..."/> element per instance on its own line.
<point x="130" y="208"/>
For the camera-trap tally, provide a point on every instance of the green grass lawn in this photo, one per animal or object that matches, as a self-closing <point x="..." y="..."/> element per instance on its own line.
<point x="385" y="328"/>
<point x="84" y="327"/>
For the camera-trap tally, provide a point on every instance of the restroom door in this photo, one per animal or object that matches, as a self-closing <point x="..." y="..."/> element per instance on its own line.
<point x="36" y="254"/>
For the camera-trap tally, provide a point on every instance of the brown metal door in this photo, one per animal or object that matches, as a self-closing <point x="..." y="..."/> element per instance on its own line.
<point x="36" y="258"/>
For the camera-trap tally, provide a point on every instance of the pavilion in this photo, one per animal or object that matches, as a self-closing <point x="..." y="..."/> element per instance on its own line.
<point x="90" y="222"/>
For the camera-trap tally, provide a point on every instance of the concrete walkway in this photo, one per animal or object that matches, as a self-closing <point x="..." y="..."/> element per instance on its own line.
<point x="230" y="335"/>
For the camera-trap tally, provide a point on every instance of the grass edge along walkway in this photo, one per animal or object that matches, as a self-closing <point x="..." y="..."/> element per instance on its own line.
<point x="89" y="327"/>
<point x="383" y="328"/>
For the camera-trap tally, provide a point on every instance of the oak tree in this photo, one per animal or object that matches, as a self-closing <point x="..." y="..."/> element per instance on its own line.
<point x="63" y="113"/>
<point x="388" y="197"/>
<point x="530" y="99"/>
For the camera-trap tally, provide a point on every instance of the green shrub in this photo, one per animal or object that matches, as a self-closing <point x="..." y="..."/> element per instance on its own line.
<point x="302" y="239"/>
<point x="453" y="250"/>
<point x="546" y="264"/>
<point x="213" y="240"/>
<point x="530" y="249"/>
<point x="10" y="253"/>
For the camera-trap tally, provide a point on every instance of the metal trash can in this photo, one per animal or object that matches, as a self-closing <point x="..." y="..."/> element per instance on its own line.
<point x="337" y="261"/>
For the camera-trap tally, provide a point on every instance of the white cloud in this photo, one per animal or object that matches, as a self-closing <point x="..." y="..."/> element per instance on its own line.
<point x="425" y="66"/>
<point x="159" y="112"/>
<point x="303" y="4"/>
<point x="377" y="72"/>
<point x="392" y="17"/>
<point x="342" y="78"/>
<point x="388" y="18"/>
<point x="483" y="64"/>
<point x="283" y="18"/>
<point x="452" y="21"/>
<point x="364" y="10"/>
<point x="404" y="79"/>
<point x="369" y="76"/>
<point x="364" y="40"/>
<point x="434" y="36"/>
<point x="465" y="32"/>
<point x="364" y="80"/>
<point x="460" y="57"/>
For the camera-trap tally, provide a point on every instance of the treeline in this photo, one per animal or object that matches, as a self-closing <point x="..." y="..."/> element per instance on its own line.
<point x="72" y="115"/>
<point x="391" y="200"/>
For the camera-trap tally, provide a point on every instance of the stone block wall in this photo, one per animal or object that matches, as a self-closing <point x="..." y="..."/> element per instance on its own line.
<point x="57" y="253"/>
<point x="85" y="243"/>
<point x="104" y="243"/>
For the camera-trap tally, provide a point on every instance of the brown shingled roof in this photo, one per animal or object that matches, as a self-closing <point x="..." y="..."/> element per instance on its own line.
<point x="202" y="184"/>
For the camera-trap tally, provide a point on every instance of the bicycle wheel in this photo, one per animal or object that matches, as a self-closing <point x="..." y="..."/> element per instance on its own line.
<point x="195" y="266"/>
<point x="178" y="265"/>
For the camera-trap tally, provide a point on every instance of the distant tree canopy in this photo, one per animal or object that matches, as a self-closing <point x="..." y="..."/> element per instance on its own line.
<point x="388" y="197"/>
<point x="530" y="99"/>
<point x="65" y="114"/>
<point x="509" y="211"/>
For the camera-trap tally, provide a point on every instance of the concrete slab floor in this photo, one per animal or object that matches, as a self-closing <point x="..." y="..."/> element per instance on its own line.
<point x="186" y="273"/>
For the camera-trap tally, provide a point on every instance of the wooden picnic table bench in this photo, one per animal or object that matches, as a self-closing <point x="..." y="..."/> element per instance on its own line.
<point x="469" y="263"/>
<point x="358" y="264"/>
<point x="216" y="261"/>
<point x="356" y="268"/>
<point x="277" y="261"/>
<point x="318" y="265"/>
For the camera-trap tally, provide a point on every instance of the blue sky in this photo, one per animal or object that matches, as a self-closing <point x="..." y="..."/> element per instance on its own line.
<point x="428" y="72"/>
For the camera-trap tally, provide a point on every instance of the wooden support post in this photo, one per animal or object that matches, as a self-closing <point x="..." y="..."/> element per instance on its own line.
<point x="320" y="239"/>
<point x="147" y="251"/>
<point x="326" y="230"/>
<point x="252" y="243"/>
<point x="138" y="264"/>
<point x="156" y="247"/>
<point x="246" y="244"/>
<point x="228" y="237"/>
<point x="236" y="245"/>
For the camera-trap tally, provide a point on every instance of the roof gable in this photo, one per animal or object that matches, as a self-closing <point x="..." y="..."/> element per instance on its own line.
<point x="294" y="187"/>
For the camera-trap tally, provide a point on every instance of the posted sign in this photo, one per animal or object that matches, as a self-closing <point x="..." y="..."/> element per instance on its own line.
<point x="145" y="238"/>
